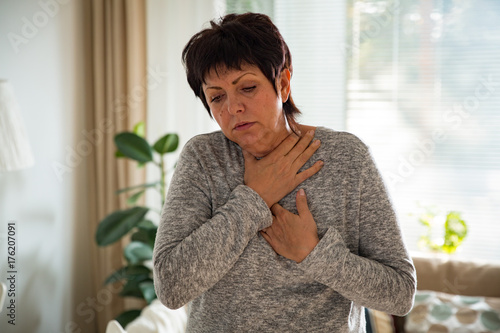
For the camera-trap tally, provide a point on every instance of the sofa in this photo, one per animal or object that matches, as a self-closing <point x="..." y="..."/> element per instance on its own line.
<point x="453" y="295"/>
<point x="443" y="284"/>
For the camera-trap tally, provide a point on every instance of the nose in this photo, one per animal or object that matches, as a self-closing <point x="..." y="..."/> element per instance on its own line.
<point x="234" y="105"/>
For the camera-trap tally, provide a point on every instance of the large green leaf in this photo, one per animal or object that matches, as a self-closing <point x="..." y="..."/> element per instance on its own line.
<point x="131" y="272"/>
<point x="126" y="317"/>
<point x="117" y="224"/>
<point x="137" y="252"/>
<point x="148" y="291"/>
<point x="134" y="147"/>
<point x="146" y="185"/>
<point x="147" y="224"/>
<point x="167" y="143"/>
<point x="146" y="236"/>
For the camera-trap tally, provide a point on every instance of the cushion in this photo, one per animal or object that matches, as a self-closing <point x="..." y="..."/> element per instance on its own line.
<point x="441" y="312"/>
<point x="455" y="276"/>
<point x="157" y="318"/>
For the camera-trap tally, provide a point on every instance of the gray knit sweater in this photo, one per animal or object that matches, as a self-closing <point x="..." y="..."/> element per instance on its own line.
<point x="208" y="250"/>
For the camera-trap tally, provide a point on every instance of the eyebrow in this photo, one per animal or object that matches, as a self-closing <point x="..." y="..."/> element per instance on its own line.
<point x="234" y="82"/>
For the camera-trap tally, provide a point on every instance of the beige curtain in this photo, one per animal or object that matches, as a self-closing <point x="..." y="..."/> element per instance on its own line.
<point x="119" y="88"/>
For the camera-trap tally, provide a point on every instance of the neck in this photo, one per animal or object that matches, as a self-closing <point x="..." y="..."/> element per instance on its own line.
<point x="279" y="136"/>
<point x="274" y="142"/>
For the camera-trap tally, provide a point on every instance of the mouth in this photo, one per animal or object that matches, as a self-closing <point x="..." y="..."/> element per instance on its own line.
<point x="243" y="126"/>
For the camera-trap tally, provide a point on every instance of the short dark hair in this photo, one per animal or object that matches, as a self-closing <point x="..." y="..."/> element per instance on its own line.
<point x="238" y="39"/>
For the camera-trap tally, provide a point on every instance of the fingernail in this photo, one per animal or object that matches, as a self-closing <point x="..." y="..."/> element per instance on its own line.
<point x="321" y="163"/>
<point x="310" y="132"/>
<point x="302" y="192"/>
<point x="316" y="143"/>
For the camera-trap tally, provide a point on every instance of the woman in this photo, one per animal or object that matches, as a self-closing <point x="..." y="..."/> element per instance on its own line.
<point x="271" y="225"/>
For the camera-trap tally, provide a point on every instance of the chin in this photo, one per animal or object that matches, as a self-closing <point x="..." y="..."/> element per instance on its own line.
<point x="256" y="152"/>
<point x="248" y="144"/>
<point x="255" y="146"/>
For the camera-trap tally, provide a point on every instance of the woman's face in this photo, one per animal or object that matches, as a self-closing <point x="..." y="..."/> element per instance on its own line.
<point x="247" y="108"/>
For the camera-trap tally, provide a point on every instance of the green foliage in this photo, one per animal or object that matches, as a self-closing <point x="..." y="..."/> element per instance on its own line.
<point x="130" y="272"/>
<point x="148" y="290"/>
<point x="166" y="144"/>
<point x="136" y="275"/>
<point x="126" y="317"/>
<point x="118" y="224"/>
<point x="454" y="230"/>
<point x="133" y="146"/>
<point x="137" y="252"/>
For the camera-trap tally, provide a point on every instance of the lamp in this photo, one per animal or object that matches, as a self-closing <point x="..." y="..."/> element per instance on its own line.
<point x="15" y="150"/>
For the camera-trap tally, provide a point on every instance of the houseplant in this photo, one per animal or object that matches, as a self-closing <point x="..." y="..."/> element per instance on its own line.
<point x="444" y="233"/>
<point x="136" y="275"/>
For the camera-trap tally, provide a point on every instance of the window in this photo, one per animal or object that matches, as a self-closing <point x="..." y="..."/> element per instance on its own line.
<point x="424" y="93"/>
<point x="419" y="82"/>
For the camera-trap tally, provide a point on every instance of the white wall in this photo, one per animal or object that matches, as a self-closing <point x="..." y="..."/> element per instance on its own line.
<point x="172" y="106"/>
<point x="47" y="71"/>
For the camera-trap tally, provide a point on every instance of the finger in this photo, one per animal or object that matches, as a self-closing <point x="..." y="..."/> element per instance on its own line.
<point x="306" y="154"/>
<point x="277" y="210"/>
<point x="302" y="146"/>
<point x="266" y="237"/>
<point x="285" y="146"/>
<point x="266" y="230"/>
<point x="308" y="172"/>
<point x="301" y="203"/>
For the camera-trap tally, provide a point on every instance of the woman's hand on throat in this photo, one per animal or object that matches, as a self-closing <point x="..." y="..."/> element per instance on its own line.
<point x="276" y="174"/>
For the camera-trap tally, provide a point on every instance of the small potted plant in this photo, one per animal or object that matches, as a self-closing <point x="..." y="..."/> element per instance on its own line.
<point x="444" y="233"/>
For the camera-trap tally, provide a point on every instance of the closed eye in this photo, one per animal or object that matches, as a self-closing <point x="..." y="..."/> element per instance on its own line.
<point x="249" y="89"/>
<point x="216" y="99"/>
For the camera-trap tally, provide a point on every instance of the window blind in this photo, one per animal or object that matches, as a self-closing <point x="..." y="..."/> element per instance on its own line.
<point x="419" y="82"/>
<point x="424" y="93"/>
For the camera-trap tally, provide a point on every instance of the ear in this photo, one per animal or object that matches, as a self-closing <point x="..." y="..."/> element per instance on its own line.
<point x="285" y="84"/>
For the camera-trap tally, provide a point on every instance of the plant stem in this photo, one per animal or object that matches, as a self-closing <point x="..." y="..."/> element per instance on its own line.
<point x="162" y="181"/>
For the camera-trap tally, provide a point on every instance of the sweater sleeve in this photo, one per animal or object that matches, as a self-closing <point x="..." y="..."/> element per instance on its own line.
<point x="197" y="245"/>
<point x="381" y="275"/>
